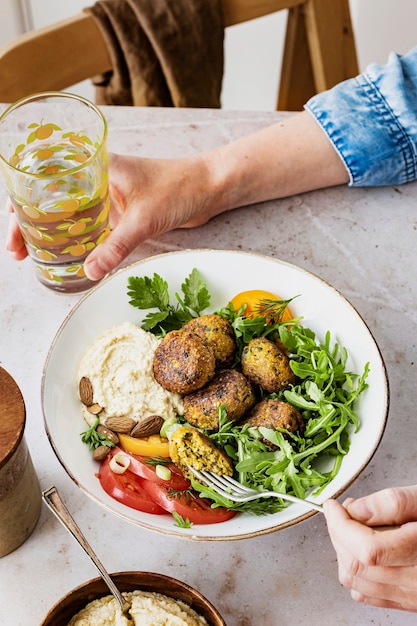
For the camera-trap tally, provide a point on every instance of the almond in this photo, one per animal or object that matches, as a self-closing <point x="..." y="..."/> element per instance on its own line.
<point x="86" y="391"/>
<point x="94" y="409"/>
<point x="150" y="425"/>
<point x="120" y="424"/>
<point x="100" y="453"/>
<point x="110" y="434"/>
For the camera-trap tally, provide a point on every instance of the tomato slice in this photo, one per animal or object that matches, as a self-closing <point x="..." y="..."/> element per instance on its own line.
<point x="140" y="466"/>
<point x="253" y="300"/>
<point x="145" y="446"/>
<point x="128" y="489"/>
<point x="140" y="488"/>
<point x="187" y="504"/>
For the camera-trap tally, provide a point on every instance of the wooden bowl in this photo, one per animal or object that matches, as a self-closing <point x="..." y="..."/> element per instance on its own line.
<point x="75" y="600"/>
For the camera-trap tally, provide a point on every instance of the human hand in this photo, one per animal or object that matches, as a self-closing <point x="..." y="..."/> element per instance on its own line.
<point x="153" y="196"/>
<point x="379" y="567"/>
<point x="148" y="197"/>
<point x="14" y="241"/>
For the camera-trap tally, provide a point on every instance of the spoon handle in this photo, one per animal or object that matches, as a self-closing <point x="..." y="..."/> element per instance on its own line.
<point x="53" y="500"/>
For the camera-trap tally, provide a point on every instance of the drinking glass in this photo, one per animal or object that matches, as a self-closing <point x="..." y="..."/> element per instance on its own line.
<point x="54" y="161"/>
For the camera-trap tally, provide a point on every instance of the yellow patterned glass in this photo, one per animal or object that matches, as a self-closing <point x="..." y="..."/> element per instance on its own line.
<point x="53" y="158"/>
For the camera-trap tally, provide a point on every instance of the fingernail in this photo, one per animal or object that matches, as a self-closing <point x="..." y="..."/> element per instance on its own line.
<point x="358" y="509"/>
<point x="92" y="270"/>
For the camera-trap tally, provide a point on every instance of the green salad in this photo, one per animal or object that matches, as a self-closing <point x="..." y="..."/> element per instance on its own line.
<point x="324" y="393"/>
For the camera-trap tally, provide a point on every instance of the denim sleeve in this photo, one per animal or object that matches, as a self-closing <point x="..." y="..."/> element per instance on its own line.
<point x="372" y="121"/>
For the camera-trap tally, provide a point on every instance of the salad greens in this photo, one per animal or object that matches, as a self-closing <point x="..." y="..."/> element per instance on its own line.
<point x="180" y="521"/>
<point x="325" y="394"/>
<point x="152" y="293"/>
<point x="93" y="438"/>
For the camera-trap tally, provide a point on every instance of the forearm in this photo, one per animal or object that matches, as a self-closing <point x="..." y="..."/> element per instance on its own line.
<point x="290" y="157"/>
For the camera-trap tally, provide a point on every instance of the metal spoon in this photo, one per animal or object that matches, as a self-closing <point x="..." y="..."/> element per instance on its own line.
<point x="53" y="500"/>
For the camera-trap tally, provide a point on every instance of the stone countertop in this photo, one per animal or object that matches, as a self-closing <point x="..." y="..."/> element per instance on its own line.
<point x="363" y="242"/>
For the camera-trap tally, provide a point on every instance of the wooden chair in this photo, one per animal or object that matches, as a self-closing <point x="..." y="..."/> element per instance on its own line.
<point x="319" y="50"/>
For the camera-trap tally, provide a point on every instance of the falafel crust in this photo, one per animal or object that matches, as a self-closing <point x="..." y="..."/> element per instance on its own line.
<point x="188" y="446"/>
<point x="218" y="334"/>
<point x="182" y="362"/>
<point x="274" y="413"/>
<point x="267" y="366"/>
<point x="229" y="388"/>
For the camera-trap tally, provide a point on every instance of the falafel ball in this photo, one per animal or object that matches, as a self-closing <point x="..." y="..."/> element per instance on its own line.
<point x="266" y="365"/>
<point x="274" y="413"/>
<point x="182" y="362"/>
<point x="217" y="333"/>
<point x="188" y="446"/>
<point x="230" y="388"/>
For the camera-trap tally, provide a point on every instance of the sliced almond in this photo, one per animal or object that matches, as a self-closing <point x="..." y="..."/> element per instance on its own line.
<point x="94" y="409"/>
<point x="100" y="453"/>
<point x="150" y="425"/>
<point x="86" y="391"/>
<point x="110" y="434"/>
<point x="120" y="424"/>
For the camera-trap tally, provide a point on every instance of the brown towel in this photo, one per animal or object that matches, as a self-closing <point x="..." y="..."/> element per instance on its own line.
<point x="164" y="52"/>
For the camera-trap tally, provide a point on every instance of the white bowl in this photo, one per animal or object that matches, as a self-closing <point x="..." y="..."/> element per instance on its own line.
<point x="225" y="273"/>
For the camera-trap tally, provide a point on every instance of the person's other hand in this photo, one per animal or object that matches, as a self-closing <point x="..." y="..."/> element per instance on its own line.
<point x="378" y="566"/>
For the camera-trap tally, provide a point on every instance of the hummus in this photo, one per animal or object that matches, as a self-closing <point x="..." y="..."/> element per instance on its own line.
<point x="147" y="609"/>
<point x="119" y="365"/>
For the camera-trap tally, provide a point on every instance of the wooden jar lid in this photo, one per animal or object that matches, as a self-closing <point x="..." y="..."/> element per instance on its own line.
<point x="12" y="416"/>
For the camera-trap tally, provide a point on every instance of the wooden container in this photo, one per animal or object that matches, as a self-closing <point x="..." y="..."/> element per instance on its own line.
<point x="79" y="597"/>
<point x="20" y="494"/>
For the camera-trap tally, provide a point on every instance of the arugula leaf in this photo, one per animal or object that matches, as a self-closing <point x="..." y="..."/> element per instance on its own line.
<point x="247" y="328"/>
<point x="180" y="521"/>
<point x="270" y="459"/>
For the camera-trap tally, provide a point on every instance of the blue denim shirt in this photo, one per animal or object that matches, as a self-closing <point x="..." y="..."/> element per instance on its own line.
<point x="372" y="121"/>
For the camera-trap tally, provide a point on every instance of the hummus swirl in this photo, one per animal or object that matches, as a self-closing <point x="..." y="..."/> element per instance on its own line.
<point x="147" y="609"/>
<point x="119" y="366"/>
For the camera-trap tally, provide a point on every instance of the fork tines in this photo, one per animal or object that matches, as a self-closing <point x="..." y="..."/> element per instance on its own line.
<point x="223" y="485"/>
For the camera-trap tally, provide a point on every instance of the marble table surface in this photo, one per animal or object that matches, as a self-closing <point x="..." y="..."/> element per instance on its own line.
<point x="362" y="241"/>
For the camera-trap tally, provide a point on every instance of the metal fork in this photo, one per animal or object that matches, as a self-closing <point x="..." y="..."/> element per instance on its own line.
<point x="233" y="490"/>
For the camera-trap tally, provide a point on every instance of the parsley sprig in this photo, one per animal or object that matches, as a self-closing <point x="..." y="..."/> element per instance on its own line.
<point x="94" y="439"/>
<point x="152" y="293"/>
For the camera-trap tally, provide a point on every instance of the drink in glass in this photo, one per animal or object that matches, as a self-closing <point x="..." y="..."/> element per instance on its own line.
<point x="53" y="157"/>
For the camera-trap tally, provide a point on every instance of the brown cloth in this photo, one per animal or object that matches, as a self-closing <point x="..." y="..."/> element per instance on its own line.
<point x="164" y="52"/>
